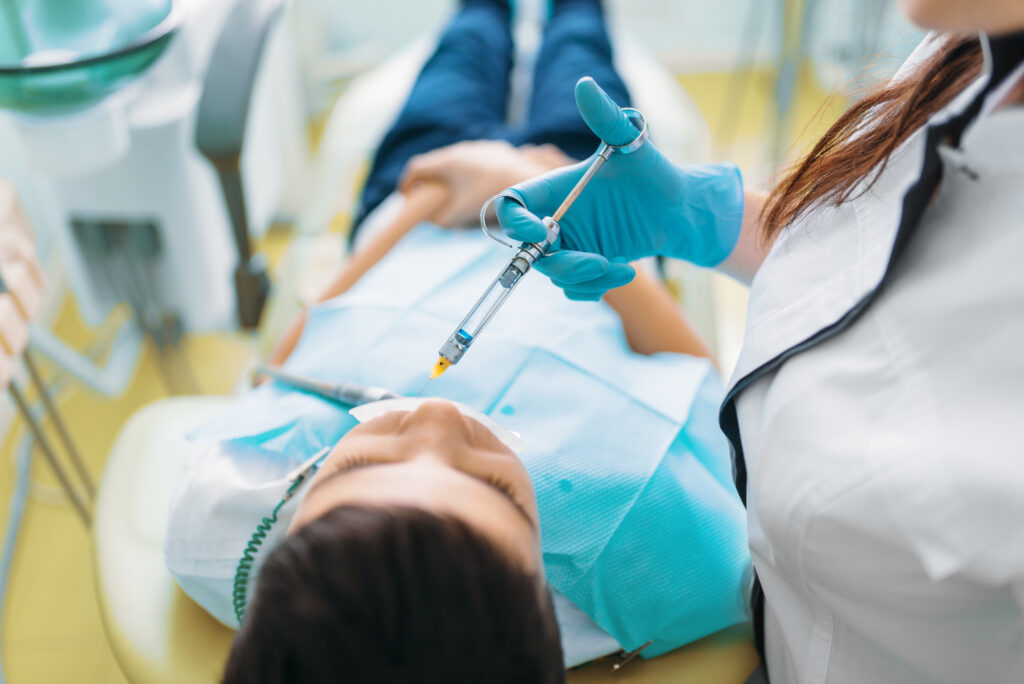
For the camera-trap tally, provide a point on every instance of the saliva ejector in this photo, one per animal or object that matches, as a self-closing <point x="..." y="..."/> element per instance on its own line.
<point x="526" y="254"/>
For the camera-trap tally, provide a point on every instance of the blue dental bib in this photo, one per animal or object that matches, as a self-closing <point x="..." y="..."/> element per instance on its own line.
<point x="641" y="527"/>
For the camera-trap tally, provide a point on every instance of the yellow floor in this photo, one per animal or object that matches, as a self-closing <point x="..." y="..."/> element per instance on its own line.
<point x="51" y="625"/>
<point x="51" y="628"/>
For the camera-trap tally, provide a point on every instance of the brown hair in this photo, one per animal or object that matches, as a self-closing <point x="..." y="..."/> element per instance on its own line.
<point x="860" y="143"/>
<point x="389" y="595"/>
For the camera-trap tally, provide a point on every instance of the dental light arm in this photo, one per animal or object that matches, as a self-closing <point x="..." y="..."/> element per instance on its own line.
<point x="220" y="132"/>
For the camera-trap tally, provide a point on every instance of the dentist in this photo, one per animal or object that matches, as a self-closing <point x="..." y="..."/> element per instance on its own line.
<point x="877" y="409"/>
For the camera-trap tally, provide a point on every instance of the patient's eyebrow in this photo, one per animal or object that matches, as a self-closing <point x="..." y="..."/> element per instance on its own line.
<point x="370" y="464"/>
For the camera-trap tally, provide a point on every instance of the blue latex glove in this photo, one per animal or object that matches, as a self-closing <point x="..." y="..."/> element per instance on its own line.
<point x="638" y="205"/>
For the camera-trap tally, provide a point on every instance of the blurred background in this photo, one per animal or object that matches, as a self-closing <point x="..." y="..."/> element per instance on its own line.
<point x="189" y="171"/>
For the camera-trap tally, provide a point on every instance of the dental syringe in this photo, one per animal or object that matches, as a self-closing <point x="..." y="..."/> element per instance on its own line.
<point x="493" y="297"/>
<point x="527" y="253"/>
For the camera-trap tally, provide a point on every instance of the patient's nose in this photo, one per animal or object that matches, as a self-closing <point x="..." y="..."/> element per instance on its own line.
<point x="436" y="421"/>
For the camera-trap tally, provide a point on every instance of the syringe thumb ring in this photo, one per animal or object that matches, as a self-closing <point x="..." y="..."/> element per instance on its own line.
<point x="550" y="223"/>
<point x="634" y="115"/>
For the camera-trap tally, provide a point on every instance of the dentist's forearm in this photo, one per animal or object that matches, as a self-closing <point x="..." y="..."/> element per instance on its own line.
<point x="751" y="248"/>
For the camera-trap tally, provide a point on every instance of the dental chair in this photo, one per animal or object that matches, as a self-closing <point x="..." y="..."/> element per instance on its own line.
<point x="157" y="633"/>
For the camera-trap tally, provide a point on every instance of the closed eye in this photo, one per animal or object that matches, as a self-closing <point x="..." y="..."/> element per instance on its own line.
<point x="357" y="461"/>
<point x="500" y="484"/>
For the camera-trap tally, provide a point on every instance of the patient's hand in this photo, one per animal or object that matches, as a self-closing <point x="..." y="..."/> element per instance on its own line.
<point x="475" y="171"/>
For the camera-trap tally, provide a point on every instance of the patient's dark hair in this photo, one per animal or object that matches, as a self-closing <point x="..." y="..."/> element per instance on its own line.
<point x="372" y="594"/>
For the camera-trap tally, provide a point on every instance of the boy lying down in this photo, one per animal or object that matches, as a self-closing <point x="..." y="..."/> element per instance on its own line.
<point x="425" y="549"/>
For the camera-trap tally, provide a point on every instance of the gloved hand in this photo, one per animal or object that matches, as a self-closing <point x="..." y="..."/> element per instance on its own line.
<point x="638" y="205"/>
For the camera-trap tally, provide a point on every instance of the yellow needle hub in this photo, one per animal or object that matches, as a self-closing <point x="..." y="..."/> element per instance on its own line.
<point x="440" y="367"/>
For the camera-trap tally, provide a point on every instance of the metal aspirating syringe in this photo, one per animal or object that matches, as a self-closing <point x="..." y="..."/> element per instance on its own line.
<point x="526" y="255"/>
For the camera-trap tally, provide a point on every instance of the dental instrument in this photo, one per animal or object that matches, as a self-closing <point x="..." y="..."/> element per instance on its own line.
<point x="526" y="255"/>
<point x="349" y="393"/>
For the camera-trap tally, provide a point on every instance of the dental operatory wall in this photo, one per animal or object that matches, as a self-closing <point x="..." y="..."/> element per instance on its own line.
<point x="843" y="37"/>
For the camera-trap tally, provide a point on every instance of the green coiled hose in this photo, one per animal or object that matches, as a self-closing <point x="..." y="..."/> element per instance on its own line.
<point x="241" y="585"/>
<point x="243" y="572"/>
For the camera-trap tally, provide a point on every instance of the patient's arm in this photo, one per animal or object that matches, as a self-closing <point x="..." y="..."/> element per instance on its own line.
<point x="476" y="170"/>
<point x="420" y="202"/>
<point x="438" y="180"/>
<point x="440" y="186"/>
<point x="652" y="321"/>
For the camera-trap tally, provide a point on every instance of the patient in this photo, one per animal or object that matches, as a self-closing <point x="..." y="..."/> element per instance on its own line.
<point x="425" y="549"/>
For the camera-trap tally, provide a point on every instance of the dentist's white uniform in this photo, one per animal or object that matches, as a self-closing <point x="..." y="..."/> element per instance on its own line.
<point x="886" y="464"/>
